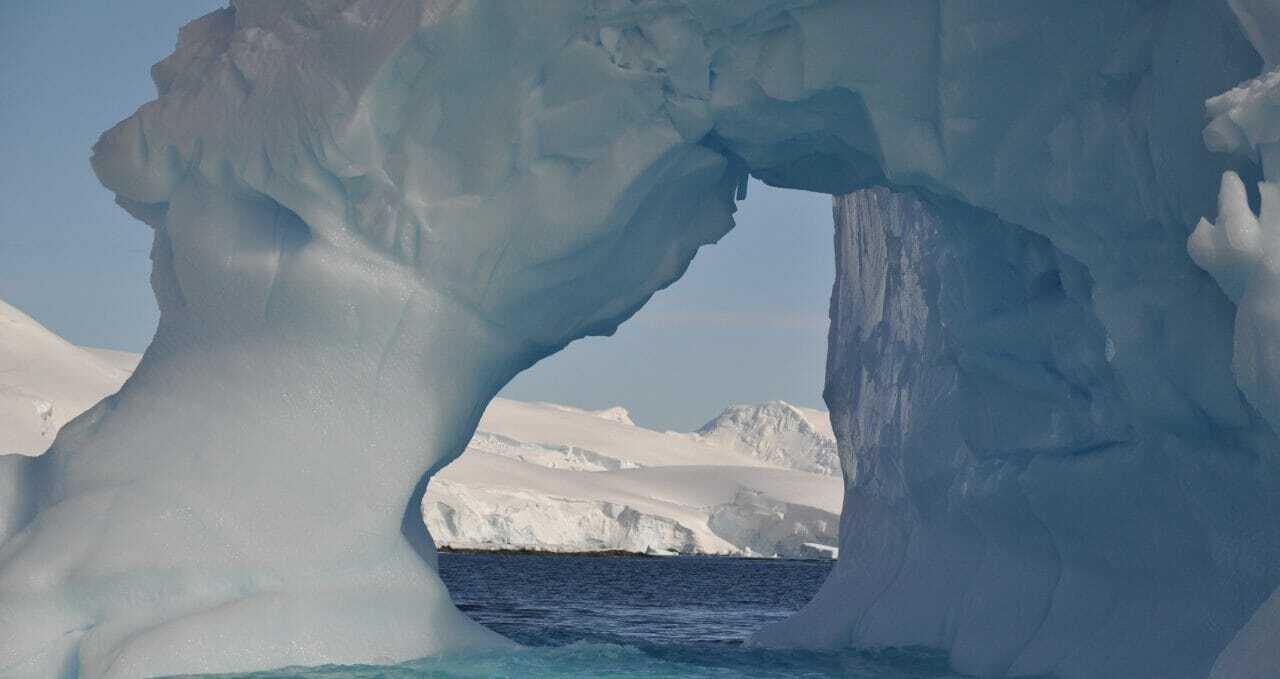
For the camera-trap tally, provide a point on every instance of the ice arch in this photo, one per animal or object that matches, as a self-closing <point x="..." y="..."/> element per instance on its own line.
<point x="370" y="215"/>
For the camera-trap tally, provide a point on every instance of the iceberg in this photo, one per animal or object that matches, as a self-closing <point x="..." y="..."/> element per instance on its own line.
<point x="1056" y="417"/>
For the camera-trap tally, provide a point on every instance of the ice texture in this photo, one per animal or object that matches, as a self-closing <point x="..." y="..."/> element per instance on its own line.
<point x="1253" y="653"/>
<point x="1001" y="487"/>
<point x="369" y="216"/>
<point x="1240" y="249"/>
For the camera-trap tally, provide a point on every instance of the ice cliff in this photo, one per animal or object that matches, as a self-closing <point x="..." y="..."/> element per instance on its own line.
<point x="1057" y="431"/>
<point x="1001" y="486"/>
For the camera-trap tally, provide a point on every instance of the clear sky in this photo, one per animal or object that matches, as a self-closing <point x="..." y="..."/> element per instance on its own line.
<point x="746" y="324"/>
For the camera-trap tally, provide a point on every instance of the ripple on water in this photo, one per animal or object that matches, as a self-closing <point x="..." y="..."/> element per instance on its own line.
<point x="619" y="617"/>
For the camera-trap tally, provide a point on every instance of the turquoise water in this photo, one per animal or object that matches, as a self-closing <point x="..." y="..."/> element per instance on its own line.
<point x="684" y="617"/>
<point x="590" y="660"/>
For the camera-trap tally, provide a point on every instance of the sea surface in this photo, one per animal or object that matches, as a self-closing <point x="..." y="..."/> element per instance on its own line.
<point x="620" y="617"/>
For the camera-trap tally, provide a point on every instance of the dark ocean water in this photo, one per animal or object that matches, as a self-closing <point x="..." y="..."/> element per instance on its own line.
<point x="616" y="617"/>
<point x="557" y="600"/>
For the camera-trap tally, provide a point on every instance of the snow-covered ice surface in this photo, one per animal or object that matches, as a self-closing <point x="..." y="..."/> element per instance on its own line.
<point x="45" y="381"/>
<point x="370" y="216"/>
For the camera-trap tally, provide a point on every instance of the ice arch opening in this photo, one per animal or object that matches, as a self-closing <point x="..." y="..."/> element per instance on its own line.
<point x="369" y="217"/>
<point x="747" y="323"/>
<point x="743" y="329"/>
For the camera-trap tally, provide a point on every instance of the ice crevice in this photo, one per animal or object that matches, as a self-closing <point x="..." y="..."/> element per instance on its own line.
<point x="1058" y="434"/>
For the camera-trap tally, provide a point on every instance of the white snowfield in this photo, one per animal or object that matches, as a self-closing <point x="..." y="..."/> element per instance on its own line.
<point x="45" y="381"/>
<point x="1055" y="398"/>
<point x="484" y="501"/>
<point x="536" y="476"/>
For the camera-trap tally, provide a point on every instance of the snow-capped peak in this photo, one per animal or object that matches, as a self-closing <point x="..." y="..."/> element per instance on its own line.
<point x="778" y="434"/>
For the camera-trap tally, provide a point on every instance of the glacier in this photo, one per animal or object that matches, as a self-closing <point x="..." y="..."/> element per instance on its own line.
<point x="1055" y="403"/>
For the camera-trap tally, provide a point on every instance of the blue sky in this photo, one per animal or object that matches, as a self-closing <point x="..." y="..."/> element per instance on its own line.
<point x="746" y="324"/>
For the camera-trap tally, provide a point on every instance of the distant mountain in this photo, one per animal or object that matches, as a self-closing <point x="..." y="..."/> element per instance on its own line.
<point x="779" y="434"/>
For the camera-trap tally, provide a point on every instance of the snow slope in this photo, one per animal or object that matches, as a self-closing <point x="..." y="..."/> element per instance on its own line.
<point x="45" y="381"/>
<point x="775" y="434"/>
<point x="540" y="475"/>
